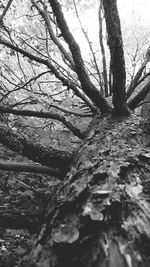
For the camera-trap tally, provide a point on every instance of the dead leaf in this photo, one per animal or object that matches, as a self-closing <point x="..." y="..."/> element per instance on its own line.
<point x="65" y="234"/>
<point x="92" y="211"/>
<point x="114" y="169"/>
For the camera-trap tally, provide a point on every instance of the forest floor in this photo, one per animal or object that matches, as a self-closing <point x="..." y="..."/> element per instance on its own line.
<point x="22" y="200"/>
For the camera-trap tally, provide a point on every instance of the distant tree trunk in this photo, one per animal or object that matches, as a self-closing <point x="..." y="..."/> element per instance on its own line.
<point x="100" y="214"/>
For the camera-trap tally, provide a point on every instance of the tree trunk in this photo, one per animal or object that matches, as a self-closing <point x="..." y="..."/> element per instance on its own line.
<point x="100" y="216"/>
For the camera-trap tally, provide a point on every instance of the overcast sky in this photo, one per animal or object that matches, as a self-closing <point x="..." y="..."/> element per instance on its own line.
<point x="132" y="12"/>
<point x="135" y="10"/>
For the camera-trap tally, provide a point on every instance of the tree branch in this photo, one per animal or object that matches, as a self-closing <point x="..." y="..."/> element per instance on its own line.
<point x="45" y="15"/>
<point x="135" y="81"/>
<point x="46" y="115"/>
<point x="23" y="52"/>
<point x="65" y="82"/>
<point x="90" y="46"/>
<point x="24" y="167"/>
<point x="5" y="10"/>
<point x="71" y="112"/>
<point x="25" y="84"/>
<point x="115" y="44"/>
<point x="139" y="97"/>
<point x="142" y="103"/>
<point x="45" y="155"/>
<point x="87" y="86"/>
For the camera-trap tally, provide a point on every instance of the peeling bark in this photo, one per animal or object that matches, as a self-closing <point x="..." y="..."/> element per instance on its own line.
<point x="100" y="214"/>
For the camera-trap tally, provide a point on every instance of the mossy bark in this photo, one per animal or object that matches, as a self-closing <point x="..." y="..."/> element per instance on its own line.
<point x="100" y="214"/>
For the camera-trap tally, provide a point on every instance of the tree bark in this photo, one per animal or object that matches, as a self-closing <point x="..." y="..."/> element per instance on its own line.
<point x="115" y="44"/>
<point x="100" y="214"/>
<point x="48" y="115"/>
<point x="28" y="167"/>
<point x="133" y="103"/>
<point x="45" y="155"/>
<point x="134" y="83"/>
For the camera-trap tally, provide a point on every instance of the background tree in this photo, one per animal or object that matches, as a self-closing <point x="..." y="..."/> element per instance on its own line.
<point x="99" y="213"/>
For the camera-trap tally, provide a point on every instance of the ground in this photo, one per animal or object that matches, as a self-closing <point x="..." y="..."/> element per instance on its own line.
<point x="22" y="197"/>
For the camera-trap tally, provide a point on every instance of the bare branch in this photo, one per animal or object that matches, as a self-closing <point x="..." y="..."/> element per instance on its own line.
<point x="45" y="15"/>
<point x="139" y="97"/>
<point x="47" y="115"/>
<point x="70" y="111"/>
<point x="45" y="155"/>
<point x="142" y="103"/>
<point x="134" y="82"/>
<point x="23" y="52"/>
<point x="25" y="84"/>
<point x="65" y="82"/>
<point x="87" y="86"/>
<point x="90" y="45"/>
<point x="24" y="167"/>
<point x="134" y="85"/>
<point x="6" y="9"/>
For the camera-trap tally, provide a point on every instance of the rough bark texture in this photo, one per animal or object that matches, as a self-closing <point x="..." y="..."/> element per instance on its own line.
<point x="100" y="215"/>
<point x="115" y="44"/>
<point x="145" y="114"/>
<point x="145" y="110"/>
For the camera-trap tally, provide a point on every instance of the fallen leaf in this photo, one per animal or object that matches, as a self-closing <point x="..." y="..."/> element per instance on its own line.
<point x="65" y="234"/>
<point x="114" y="169"/>
<point x="92" y="211"/>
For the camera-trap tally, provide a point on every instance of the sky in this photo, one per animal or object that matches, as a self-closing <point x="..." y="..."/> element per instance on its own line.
<point x="132" y="12"/>
<point x="135" y="10"/>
